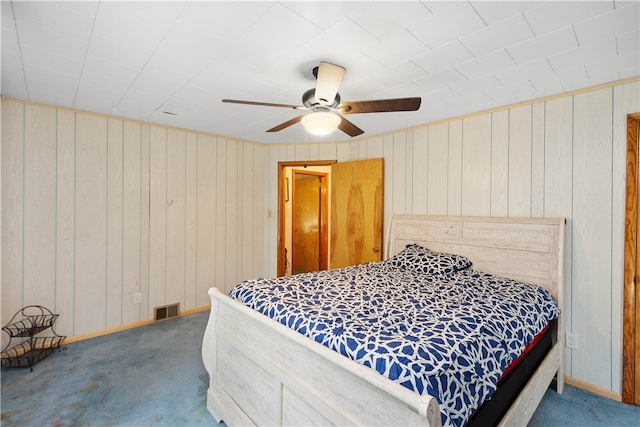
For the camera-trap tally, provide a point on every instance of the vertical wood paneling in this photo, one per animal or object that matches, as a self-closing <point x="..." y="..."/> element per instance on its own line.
<point x="134" y="178"/>
<point x="314" y="151"/>
<point x="327" y="152"/>
<point x="591" y="263"/>
<point x="12" y="209"/>
<point x="302" y="151"/>
<point x="558" y="158"/>
<point x="191" y="219"/>
<point x="157" y="218"/>
<point x="144" y="309"/>
<point x="342" y="153"/>
<point x="65" y="220"/>
<point x="206" y="218"/>
<point x="476" y="166"/>
<point x="558" y="189"/>
<point x="438" y="170"/>
<point x="454" y="180"/>
<point x="86" y="219"/>
<point x="239" y="169"/>
<point x="131" y="220"/>
<point x="500" y="163"/>
<point x="231" y="213"/>
<point x="221" y="226"/>
<point x="260" y="190"/>
<point x="537" y="160"/>
<point x="289" y="152"/>
<point x="408" y="173"/>
<point x="114" y="222"/>
<point x="271" y="222"/>
<point x="388" y="174"/>
<point x="39" y="205"/>
<point x="399" y="177"/>
<point x="176" y="216"/>
<point x="374" y="147"/>
<point x="352" y="151"/>
<point x="246" y="171"/>
<point x="90" y="223"/>
<point x="362" y="149"/>
<point x="420" y="178"/>
<point x="520" y="161"/>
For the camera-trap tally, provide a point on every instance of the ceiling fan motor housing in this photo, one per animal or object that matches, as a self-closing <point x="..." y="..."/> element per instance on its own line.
<point x="309" y="100"/>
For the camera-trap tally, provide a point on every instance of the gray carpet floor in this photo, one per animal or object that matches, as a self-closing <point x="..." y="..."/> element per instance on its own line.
<point x="154" y="376"/>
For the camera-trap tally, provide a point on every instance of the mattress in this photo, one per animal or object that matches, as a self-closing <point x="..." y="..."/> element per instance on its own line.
<point x="447" y="330"/>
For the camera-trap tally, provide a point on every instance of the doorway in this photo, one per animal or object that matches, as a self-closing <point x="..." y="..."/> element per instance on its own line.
<point x="631" y="303"/>
<point x="309" y="221"/>
<point x="352" y="219"/>
<point x="286" y="199"/>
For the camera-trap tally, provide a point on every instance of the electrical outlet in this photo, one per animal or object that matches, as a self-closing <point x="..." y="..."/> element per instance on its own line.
<point x="572" y="341"/>
<point x="137" y="298"/>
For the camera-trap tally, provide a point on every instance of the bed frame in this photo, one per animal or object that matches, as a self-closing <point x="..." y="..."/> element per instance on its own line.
<point x="263" y="373"/>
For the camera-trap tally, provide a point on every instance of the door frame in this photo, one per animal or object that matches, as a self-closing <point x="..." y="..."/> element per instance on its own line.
<point x="631" y="306"/>
<point x="280" y="267"/>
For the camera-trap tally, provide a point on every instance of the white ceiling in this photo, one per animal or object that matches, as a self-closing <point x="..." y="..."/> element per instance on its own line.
<point x="143" y="60"/>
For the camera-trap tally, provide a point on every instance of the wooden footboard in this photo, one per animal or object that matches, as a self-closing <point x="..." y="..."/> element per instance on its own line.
<point x="263" y="373"/>
<point x="525" y="405"/>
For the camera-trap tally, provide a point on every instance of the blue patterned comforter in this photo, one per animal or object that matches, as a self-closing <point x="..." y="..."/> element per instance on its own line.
<point x="447" y="335"/>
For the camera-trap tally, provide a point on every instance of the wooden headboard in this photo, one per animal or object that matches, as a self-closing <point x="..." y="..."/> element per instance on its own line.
<point x="526" y="249"/>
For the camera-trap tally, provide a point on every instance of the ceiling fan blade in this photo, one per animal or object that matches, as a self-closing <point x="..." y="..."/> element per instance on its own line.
<point x="264" y="104"/>
<point x="380" y="105"/>
<point x="285" y="124"/>
<point x="349" y="128"/>
<point x="328" y="82"/>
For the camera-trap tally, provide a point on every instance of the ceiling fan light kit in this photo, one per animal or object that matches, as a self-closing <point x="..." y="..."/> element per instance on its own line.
<point x="326" y="106"/>
<point x="321" y="122"/>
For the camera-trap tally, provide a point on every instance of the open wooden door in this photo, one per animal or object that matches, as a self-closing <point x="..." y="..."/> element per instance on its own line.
<point x="356" y="212"/>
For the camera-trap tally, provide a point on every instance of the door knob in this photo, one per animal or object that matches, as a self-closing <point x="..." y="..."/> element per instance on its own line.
<point x="376" y="249"/>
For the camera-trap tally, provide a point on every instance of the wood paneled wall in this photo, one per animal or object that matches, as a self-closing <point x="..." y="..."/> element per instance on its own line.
<point x="564" y="157"/>
<point x="96" y="208"/>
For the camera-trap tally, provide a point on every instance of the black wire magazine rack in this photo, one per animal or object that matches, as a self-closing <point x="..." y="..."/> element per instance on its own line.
<point x="25" y="348"/>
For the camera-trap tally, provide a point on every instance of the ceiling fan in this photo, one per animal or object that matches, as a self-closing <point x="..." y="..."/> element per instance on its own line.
<point x="326" y="107"/>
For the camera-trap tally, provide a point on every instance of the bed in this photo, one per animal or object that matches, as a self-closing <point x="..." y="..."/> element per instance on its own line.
<point x="265" y="373"/>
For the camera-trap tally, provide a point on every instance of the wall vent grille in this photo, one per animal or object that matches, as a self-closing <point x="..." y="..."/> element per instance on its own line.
<point x="166" y="311"/>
